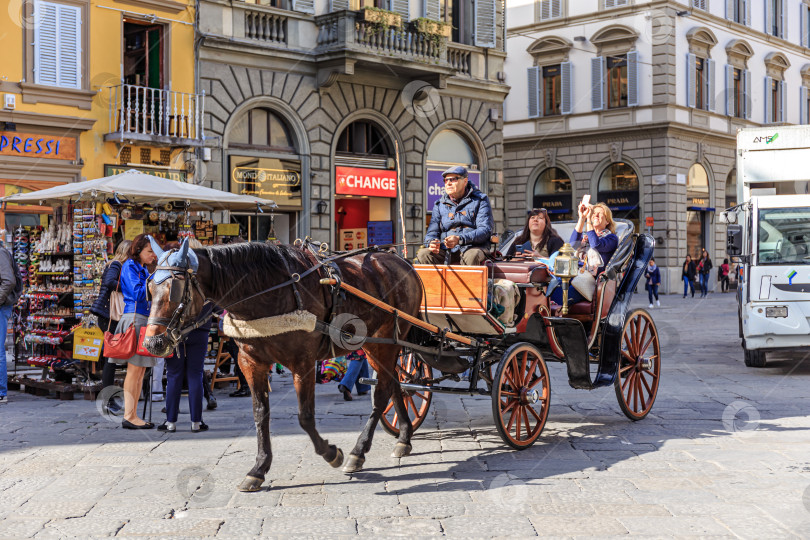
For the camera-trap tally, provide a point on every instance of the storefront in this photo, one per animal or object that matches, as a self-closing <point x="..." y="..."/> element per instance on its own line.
<point x="699" y="212"/>
<point x="552" y="191"/>
<point x="618" y="189"/>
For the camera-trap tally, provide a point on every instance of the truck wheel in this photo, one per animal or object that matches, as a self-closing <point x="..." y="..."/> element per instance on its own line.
<point x="754" y="358"/>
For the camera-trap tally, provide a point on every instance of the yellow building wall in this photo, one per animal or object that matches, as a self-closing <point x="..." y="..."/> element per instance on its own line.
<point x="105" y="67"/>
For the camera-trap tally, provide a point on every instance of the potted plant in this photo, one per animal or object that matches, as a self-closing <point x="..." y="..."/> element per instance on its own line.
<point x="432" y="27"/>
<point x="382" y="17"/>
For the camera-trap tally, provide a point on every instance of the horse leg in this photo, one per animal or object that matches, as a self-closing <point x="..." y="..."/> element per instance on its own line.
<point x="256" y="375"/>
<point x="383" y="359"/>
<point x="305" y="389"/>
<point x="403" y="446"/>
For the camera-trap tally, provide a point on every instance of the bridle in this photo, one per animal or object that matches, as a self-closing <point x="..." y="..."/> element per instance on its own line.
<point x="176" y="329"/>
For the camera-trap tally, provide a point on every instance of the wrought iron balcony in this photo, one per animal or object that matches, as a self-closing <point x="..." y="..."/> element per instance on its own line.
<point x="154" y="116"/>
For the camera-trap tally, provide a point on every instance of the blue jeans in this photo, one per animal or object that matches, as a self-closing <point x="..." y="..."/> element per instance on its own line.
<point x="189" y="359"/>
<point x="652" y="290"/>
<point x="704" y="284"/>
<point x="355" y="370"/>
<point x="5" y="315"/>
<point x="688" y="284"/>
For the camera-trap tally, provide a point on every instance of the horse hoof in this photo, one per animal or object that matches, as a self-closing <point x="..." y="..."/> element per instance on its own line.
<point x="251" y="484"/>
<point x="354" y="464"/>
<point x="401" y="450"/>
<point x="338" y="461"/>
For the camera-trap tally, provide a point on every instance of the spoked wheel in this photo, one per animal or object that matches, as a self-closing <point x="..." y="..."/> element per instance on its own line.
<point x="639" y="367"/>
<point x="411" y="368"/>
<point x="521" y="395"/>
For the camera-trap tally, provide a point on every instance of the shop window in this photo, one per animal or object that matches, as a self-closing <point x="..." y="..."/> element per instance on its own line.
<point x="618" y="188"/>
<point x="697" y="209"/>
<point x="449" y="146"/>
<point x="144" y="54"/>
<point x="731" y="188"/>
<point x="552" y="191"/>
<point x="364" y="138"/>
<point x="262" y="129"/>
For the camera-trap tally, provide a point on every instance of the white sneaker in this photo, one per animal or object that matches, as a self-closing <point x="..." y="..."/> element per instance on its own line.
<point x="651" y="306"/>
<point x="3" y="399"/>
<point x="658" y="303"/>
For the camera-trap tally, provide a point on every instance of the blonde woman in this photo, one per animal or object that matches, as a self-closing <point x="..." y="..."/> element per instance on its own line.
<point x="101" y="309"/>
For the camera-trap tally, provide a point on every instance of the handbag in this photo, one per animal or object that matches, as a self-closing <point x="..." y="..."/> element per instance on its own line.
<point x="585" y="284"/>
<point x="141" y="350"/>
<point x="119" y="346"/>
<point x="116" y="305"/>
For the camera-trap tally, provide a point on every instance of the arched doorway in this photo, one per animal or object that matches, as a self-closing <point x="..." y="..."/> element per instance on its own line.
<point x="698" y="210"/>
<point x="618" y="188"/>
<point x="264" y="161"/>
<point x="552" y="191"/>
<point x="731" y="188"/>
<point x="365" y="186"/>
<point x="448" y="148"/>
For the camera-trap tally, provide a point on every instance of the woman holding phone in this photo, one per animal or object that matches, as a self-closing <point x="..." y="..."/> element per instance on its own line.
<point x="538" y="239"/>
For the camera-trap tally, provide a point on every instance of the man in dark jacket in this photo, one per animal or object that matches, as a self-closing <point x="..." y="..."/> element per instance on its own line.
<point x="10" y="291"/>
<point x="461" y="223"/>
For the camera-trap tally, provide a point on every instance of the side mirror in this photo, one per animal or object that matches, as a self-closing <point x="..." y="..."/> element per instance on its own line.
<point x="734" y="240"/>
<point x="727" y="217"/>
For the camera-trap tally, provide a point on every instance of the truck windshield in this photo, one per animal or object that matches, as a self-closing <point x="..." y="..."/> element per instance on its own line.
<point x="784" y="236"/>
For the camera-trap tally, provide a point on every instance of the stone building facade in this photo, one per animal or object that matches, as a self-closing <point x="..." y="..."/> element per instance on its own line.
<point x="320" y="109"/>
<point x="638" y="104"/>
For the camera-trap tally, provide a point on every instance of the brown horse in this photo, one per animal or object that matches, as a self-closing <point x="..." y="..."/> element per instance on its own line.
<point x="231" y="276"/>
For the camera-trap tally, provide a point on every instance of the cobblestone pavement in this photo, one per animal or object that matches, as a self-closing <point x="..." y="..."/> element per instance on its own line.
<point x="724" y="453"/>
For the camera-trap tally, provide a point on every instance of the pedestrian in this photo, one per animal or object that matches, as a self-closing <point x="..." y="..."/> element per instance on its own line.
<point x="653" y="275"/>
<point x="688" y="276"/>
<point x="358" y="367"/>
<point x="10" y="291"/>
<point x="724" y="271"/>
<point x="134" y="276"/>
<point x="704" y="267"/>
<point x="108" y="315"/>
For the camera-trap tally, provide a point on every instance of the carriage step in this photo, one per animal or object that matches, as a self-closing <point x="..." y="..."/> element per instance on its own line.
<point x="437" y="389"/>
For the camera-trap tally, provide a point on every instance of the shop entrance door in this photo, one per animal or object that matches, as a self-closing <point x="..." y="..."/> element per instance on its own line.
<point x="696" y="224"/>
<point x="260" y="228"/>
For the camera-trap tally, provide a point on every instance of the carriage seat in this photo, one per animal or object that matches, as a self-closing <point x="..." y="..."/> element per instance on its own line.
<point x="518" y="272"/>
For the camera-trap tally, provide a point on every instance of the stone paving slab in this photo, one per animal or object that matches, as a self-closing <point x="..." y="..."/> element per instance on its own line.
<point x="696" y="466"/>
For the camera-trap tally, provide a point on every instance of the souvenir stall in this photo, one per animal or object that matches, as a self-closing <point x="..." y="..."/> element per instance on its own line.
<point x="61" y="264"/>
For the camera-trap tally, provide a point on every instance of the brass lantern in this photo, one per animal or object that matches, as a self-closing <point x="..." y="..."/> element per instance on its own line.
<point x="566" y="267"/>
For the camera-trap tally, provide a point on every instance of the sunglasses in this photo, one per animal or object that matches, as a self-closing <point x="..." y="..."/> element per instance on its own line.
<point x="537" y="211"/>
<point x="453" y="179"/>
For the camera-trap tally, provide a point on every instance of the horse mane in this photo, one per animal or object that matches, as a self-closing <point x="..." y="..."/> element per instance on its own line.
<point x="251" y="266"/>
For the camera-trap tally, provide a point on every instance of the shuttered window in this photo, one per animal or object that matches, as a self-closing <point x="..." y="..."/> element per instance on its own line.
<point x="550" y="9"/>
<point x="57" y="45"/>
<point x="304" y="6"/>
<point x="700" y="83"/>
<point x="735" y="91"/>
<point x="432" y="9"/>
<point x="607" y="4"/>
<point x="700" y="4"/>
<point x="338" y="5"/>
<point x="550" y="90"/>
<point x="402" y="7"/>
<point x="739" y="11"/>
<point x="775" y="102"/>
<point x="775" y="17"/>
<point x="597" y="83"/>
<point x="534" y="92"/>
<point x="485" y="23"/>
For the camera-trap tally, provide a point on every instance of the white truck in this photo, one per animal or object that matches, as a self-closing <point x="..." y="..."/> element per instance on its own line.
<point x="769" y="239"/>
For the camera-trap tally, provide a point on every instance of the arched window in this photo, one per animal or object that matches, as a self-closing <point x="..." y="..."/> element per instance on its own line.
<point x="731" y="188"/>
<point x="449" y="146"/>
<point x="618" y="188"/>
<point x="262" y="129"/>
<point x="697" y="209"/>
<point x="552" y="191"/>
<point x="365" y="138"/>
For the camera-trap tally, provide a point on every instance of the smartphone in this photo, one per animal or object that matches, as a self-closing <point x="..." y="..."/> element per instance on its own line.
<point x="586" y="200"/>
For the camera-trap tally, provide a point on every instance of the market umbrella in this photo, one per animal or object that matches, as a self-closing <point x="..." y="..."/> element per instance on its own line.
<point x="137" y="187"/>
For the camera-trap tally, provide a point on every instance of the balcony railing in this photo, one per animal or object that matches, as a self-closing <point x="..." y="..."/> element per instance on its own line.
<point x="155" y="115"/>
<point x="460" y="58"/>
<point x="267" y="27"/>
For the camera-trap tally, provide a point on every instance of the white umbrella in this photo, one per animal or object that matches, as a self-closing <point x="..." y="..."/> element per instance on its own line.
<point x="137" y="187"/>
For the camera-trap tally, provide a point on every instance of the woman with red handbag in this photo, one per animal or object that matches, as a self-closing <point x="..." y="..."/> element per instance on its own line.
<point x="134" y="276"/>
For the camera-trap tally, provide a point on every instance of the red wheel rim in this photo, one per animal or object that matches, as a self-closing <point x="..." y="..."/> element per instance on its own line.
<point x="409" y="369"/>
<point x="640" y="365"/>
<point x="523" y="396"/>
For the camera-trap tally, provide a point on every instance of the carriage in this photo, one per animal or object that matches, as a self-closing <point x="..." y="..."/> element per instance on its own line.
<point x="460" y="333"/>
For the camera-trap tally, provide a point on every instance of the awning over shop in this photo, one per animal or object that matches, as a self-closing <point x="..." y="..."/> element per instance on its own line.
<point x="138" y="188"/>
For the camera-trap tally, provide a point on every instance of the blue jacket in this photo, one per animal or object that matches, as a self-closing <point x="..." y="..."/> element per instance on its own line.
<point x="133" y="287"/>
<point x="470" y="219"/>
<point x="653" y="276"/>
<point x="605" y="245"/>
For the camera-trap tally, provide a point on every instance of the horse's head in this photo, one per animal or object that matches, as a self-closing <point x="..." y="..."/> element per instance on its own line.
<point x="176" y="298"/>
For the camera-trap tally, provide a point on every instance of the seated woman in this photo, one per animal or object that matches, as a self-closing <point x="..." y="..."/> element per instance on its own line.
<point x="538" y="239"/>
<point x="598" y="245"/>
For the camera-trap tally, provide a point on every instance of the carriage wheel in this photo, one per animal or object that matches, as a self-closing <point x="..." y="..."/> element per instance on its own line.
<point x="521" y="395"/>
<point x="411" y="368"/>
<point x="640" y="366"/>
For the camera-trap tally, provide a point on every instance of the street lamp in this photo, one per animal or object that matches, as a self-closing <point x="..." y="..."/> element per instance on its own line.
<point x="320" y="208"/>
<point x="566" y="267"/>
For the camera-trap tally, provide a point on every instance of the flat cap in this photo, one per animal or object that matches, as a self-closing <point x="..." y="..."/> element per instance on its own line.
<point x="458" y="169"/>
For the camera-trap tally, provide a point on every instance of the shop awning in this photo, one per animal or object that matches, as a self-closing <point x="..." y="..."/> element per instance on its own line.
<point x="139" y="188"/>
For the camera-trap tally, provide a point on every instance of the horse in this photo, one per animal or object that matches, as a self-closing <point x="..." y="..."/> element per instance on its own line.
<point x="274" y="297"/>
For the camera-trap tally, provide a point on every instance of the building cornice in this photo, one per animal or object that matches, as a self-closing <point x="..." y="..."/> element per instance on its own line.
<point x="67" y="123"/>
<point x="159" y="5"/>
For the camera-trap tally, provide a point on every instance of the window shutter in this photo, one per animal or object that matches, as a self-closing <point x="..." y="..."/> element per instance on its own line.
<point x="432" y="9"/>
<point x="632" y="79"/>
<point x="534" y="92"/>
<point x="747" y="12"/>
<point x="45" y="43"/>
<point x="597" y="83"/>
<point x="769" y="18"/>
<point x="566" y="104"/>
<point x="711" y="99"/>
<point x="768" y="100"/>
<point x="782" y="29"/>
<point x="545" y="10"/>
<point x="338" y="5"/>
<point x="803" y="105"/>
<point x="804" y="18"/>
<point x="556" y="8"/>
<point x="485" y="23"/>
<point x="782" y="116"/>
<point x="402" y="7"/>
<point x="304" y="6"/>
<point x="730" y="96"/>
<point x="730" y="9"/>
<point x="748" y="105"/>
<point x="70" y="46"/>
<point x="691" y="80"/>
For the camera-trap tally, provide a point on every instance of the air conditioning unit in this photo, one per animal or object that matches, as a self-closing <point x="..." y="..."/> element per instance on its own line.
<point x="9" y="101"/>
